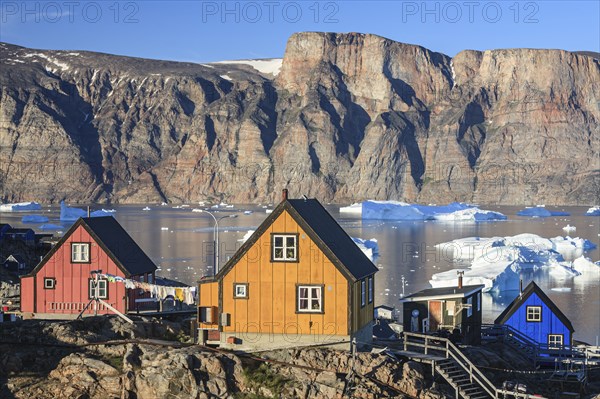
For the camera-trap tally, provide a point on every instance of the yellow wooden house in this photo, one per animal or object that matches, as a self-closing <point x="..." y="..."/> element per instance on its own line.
<point x="298" y="280"/>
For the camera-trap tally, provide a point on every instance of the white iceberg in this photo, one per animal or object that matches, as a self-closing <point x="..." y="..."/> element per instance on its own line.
<point x="34" y="219"/>
<point x="496" y="262"/>
<point x="569" y="229"/>
<point x="21" y="206"/>
<point x="369" y="247"/>
<point x="68" y="214"/>
<point x="593" y="211"/>
<point x="585" y="266"/>
<point x="395" y="210"/>
<point x="540" y="211"/>
<point x="246" y="236"/>
<point x="51" y="226"/>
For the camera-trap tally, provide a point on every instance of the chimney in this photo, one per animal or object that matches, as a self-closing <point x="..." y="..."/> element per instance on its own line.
<point x="284" y="194"/>
<point x="520" y="287"/>
<point x="460" y="278"/>
<point x="88" y="211"/>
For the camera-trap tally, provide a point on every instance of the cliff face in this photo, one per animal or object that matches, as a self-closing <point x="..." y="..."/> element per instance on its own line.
<point x="349" y="117"/>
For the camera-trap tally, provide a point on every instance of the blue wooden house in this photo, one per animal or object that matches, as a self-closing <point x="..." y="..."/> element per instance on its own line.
<point x="536" y="316"/>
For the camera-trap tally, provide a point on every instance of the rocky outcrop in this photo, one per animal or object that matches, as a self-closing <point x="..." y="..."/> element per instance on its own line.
<point x="349" y="117"/>
<point x="103" y="357"/>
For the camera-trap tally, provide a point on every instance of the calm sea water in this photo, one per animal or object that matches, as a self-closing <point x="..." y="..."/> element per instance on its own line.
<point x="180" y="242"/>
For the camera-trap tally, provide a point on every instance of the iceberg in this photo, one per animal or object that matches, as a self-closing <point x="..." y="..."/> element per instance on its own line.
<point x="540" y="212"/>
<point x="496" y="262"/>
<point x="21" y="206"/>
<point x="246" y="236"/>
<point x="68" y="214"/>
<point x="585" y="266"/>
<point x="34" y="219"/>
<point x="50" y="226"/>
<point x="593" y="211"/>
<point x="395" y="210"/>
<point x="369" y="247"/>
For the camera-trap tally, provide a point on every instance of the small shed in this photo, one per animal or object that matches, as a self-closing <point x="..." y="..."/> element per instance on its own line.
<point x="445" y="309"/>
<point x="535" y="315"/>
<point x="15" y="263"/>
<point x="384" y="312"/>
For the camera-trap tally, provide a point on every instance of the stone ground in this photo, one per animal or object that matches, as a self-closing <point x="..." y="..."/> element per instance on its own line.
<point x="104" y="357"/>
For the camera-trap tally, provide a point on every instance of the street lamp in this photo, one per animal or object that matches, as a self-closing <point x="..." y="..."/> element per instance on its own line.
<point x="216" y="236"/>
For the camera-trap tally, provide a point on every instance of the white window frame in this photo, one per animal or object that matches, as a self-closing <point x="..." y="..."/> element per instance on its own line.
<point x="363" y="293"/>
<point x="52" y="284"/>
<point x="284" y="248"/>
<point x="102" y="285"/>
<point x="535" y="315"/>
<point x="80" y="252"/>
<point x="555" y="344"/>
<point x="370" y="289"/>
<point x="309" y="298"/>
<point x="240" y="295"/>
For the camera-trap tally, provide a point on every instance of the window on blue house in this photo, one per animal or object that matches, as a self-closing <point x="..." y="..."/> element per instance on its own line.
<point x="555" y="341"/>
<point x="534" y="313"/>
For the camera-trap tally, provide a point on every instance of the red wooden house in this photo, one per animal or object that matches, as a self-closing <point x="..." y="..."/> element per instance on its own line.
<point x="61" y="285"/>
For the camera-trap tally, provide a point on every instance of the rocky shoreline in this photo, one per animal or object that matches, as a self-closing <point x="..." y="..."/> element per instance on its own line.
<point x="104" y="357"/>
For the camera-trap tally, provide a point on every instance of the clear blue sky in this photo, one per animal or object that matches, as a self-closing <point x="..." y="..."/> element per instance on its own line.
<point x="198" y="30"/>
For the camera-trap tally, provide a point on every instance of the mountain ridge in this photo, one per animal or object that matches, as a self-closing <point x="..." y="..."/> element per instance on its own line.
<point x="349" y="117"/>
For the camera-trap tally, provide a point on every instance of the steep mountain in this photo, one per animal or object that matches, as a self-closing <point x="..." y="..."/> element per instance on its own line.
<point x="342" y="117"/>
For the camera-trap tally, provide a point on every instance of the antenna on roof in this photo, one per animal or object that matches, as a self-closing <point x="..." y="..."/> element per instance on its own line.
<point x="305" y="197"/>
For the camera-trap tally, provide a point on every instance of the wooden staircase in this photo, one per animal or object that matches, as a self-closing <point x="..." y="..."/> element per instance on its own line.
<point x="449" y="361"/>
<point x="460" y="380"/>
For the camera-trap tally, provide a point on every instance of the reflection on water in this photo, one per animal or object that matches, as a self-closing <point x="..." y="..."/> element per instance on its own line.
<point x="181" y="243"/>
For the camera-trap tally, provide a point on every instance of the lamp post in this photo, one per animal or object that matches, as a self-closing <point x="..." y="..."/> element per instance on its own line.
<point x="216" y="237"/>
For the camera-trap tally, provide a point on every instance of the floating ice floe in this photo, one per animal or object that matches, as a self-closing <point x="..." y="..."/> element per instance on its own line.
<point x="71" y="214"/>
<point x="394" y="210"/>
<point x="247" y="212"/>
<point x="586" y="267"/>
<point x="497" y="262"/>
<point x="247" y="236"/>
<point x="20" y="206"/>
<point x="50" y="226"/>
<point x="369" y="247"/>
<point x="147" y="208"/>
<point x="569" y="229"/>
<point x="540" y="211"/>
<point x="34" y="219"/>
<point x="593" y="211"/>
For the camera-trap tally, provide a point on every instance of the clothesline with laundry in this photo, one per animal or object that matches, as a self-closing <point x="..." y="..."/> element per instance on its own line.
<point x="186" y="295"/>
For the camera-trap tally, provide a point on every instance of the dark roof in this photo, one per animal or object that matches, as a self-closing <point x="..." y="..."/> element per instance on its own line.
<point x="443" y="292"/>
<point x="114" y="240"/>
<point x="118" y="242"/>
<point x="522" y="298"/>
<point x="382" y="329"/>
<point x="322" y="228"/>
<point x="19" y="231"/>
<point x="5" y="226"/>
